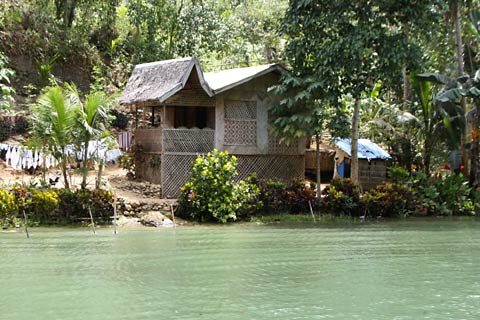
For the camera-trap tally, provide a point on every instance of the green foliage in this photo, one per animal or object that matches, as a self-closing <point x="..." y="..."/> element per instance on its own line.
<point x="341" y="197"/>
<point x="6" y="128"/>
<point x="6" y="90"/>
<point x="442" y="195"/>
<point x="212" y="193"/>
<point x="398" y="175"/>
<point x="8" y="208"/>
<point x="57" y="206"/>
<point x="42" y="206"/>
<point x="388" y="200"/>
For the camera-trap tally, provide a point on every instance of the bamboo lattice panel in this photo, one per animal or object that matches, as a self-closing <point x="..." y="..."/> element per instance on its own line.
<point x="176" y="171"/>
<point x="240" y="110"/>
<point x="188" y="140"/>
<point x="283" y="168"/>
<point x="240" y="132"/>
<point x="274" y="147"/>
<point x="240" y="122"/>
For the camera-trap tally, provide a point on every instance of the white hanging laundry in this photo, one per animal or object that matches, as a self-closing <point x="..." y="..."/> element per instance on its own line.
<point x="15" y="157"/>
<point x="8" y="156"/>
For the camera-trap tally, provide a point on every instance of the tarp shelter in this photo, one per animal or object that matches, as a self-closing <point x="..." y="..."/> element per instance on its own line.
<point x="372" y="161"/>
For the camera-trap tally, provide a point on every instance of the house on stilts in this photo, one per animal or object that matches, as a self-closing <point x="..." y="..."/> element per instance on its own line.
<point x="181" y="112"/>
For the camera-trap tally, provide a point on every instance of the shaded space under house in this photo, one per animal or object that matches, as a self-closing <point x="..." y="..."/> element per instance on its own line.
<point x="182" y="112"/>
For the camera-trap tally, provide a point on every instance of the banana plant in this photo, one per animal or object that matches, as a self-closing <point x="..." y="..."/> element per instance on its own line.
<point x="441" y="118"/>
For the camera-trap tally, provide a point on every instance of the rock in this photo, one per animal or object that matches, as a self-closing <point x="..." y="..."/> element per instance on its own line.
<point x="156" y="219"/>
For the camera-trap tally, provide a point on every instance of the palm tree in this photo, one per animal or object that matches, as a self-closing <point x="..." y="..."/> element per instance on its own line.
<point x="92" y="121"/>
<point x="53" y="117"/>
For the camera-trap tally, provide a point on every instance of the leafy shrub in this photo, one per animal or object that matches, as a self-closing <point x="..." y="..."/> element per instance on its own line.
<point x="342" y="196"/>
<point x="99" y="201"/>
<point x="21" y="124"/>
<point x="43" y="206"/>
<point x="271" y="196"/>
<point x="47" y="206"/>
<point x="388" y="200"/>
<point x="6" y="128"/>
<point x="8" y="207"/>
<point x="442" y="195"/>
<point x="298" y="195"/>
<point x="398" y="175"/>
<point x="212" y="193"/>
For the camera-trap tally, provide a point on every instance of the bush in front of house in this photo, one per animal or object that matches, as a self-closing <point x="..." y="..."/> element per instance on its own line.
<point x="341" y="197"/>
<point x="55" y="206"/>
<point x="8" y="208"/>
<point x="440" y="194"/>
<point x="212" y="193"/>
<point x="388" y="200"/>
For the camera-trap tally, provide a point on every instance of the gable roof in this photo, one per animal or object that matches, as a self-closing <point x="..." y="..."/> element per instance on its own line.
<point x="158" y="81"/>
<point x="224" y="80"/>
<point x="367" y="149"/>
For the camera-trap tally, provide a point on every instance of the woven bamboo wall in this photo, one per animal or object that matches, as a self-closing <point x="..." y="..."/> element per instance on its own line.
<point x="240" y="122"/>
<point x="276" y="167"/>
<point x="275" y="147"/>
<point x="188" y="140"/>
<point x="176" y="170"/>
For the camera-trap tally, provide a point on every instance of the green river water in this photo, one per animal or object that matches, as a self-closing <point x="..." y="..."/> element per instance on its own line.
<point x="389" y="270"/>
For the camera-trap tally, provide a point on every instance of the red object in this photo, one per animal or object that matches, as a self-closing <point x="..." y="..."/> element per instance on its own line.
<point x="447" y="166"/>
<point x="421" y="209"/>
<point x="462" y="167"/>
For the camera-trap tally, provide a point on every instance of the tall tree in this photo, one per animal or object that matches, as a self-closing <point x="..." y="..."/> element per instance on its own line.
<point x="347" y="45"/>
<point x="53" y="124"/>
<point x="92" y="121"/>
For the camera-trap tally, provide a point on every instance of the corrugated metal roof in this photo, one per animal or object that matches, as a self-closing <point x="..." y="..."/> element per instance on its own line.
<point x="162" y="79"/>
<point x="367" y="149"/>
<point x="227" y="79"/>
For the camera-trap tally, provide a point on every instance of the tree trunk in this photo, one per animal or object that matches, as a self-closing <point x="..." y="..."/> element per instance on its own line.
<point x="85" y="163"/>
<point x="317" y="160"/>
<point x="457" y="22"/>
<point x="98" y="183"/>
<point x="475" y="169"/>
<point x="64" y="170"/>
<point x="406" y="84"/>
<point x="354" y="164"/>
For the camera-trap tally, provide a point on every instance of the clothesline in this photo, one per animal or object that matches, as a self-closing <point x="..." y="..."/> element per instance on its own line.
<point x="21" y="157"/>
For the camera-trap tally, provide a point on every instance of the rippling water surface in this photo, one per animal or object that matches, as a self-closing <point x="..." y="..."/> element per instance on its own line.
<point x="394" y="270"/>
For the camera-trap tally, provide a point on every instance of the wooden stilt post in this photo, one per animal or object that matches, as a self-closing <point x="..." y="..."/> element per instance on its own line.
<point x="311" y="211"/>
<point x="115" y="232"/>
<point x="26" y="222"/>
<point x="91" y="220"/>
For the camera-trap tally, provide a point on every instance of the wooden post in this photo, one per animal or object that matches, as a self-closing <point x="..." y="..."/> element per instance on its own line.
<point x="354" y="142"/>
<point x="115" y="232"/>
<point x="91" y="220"/>
<point x="26" y="222"/>
<point x="311" y="211"/>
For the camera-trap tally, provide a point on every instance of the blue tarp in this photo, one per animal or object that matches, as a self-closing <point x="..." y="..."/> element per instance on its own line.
<point x="366" y="149"/>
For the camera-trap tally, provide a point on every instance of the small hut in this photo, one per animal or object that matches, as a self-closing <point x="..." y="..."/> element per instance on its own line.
<point x="372" y="162"/>
<point x="182" y="112"/>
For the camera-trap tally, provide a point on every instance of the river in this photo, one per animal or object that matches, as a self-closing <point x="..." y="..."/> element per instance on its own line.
<point x="387" y="270"/>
